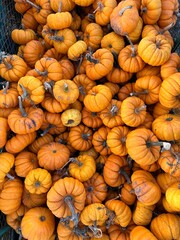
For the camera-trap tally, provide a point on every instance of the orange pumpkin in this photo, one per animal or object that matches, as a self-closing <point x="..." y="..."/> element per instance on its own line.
<point x="38" y="223"/>
<point x="145" y="187"/>
<point x="99" y="64"/>
<point x="96" y="189"/>
<point x="24" y="162"/>
<point x="66" y="198"/>
<point x="98" y="98"/>
<point x="53" y="155"/>
<point x="12" y="68"/>
<point x="10" y="196"/>
<point x="38" y="181"/>
<point x="124" y="17"/>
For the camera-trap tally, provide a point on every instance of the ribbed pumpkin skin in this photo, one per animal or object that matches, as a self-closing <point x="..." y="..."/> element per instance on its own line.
<point x="38" y="224"/>
<point x="7" y="162"/>
<point x="146" y="188"/>
<point x="166" y="226"/>
<point x="142" y="233"/>
<point x="53" y="155"/>
<point x="122" y="212"/>
<point x="170" y="91"/>
<point x="172" y="195"/>
<point x="10" y="196"/>
<point x="150" y="53"/>
<point x="138" y="139"/>
<point x="66" y="187"/>
<point x="83" y="169"/>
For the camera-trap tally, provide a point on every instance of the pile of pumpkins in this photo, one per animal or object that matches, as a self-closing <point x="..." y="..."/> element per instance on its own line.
<point x="90" y="121"/>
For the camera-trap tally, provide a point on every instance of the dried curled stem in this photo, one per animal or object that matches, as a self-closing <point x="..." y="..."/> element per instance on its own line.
<point x="97" y="232"/>
<point x="75" y="216"/>
<point x="89" y="57"/>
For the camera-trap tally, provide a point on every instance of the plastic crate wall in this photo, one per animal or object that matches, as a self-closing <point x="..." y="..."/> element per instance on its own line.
<point x="9" y="20"/>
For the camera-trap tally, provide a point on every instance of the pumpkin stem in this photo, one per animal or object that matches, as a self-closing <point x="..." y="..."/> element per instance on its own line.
<point x="57" y="38"/>
<point x="65" y="87"/>
<point x="48" y="87"/>
<point x="129" y="161"/>
<point x="132" y="46"/>
<point x="175" y="154"/>
<point x="60" y="7"/>
<point x="116" y="64"/>
<point x="97" y="232"/>
<point x="18" y="231"/>
<point x="138" y="93"/>
<point x="85" y="136"/>
<point x="10" y="176"/>
<point x="45" y="73"/>
<point x="124" y="173"/>
<point x="25" y="92"/>
<point x="161" y="31"/>
<point x="25" y="95"/>
<point x="91" y="59"/>
<point x="46" y="130"/>
<point x="117" y="197"/>
<point x="34" y="5"/>
<point x="114" y="110"/>
<point x="22" y="110"/>
<point x="141" y="108"/>
<point x="177" y="13"/>
<point x="124" y="9"/>
<point x="165" y="145"/>
<point x="7" y="64"/>
<point x="81" y="232"/>
<point x="111" y="216"/>
<point x="74" y="160"/>
<point x="79" y="64"/>
<point x="144" y="9"/>
<point x="6" y="88"/>
<point x="75" y="217"/>
<point x="91" y="16"/>
<point x="100" y="7"/>
<point x="82" y="90"/>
